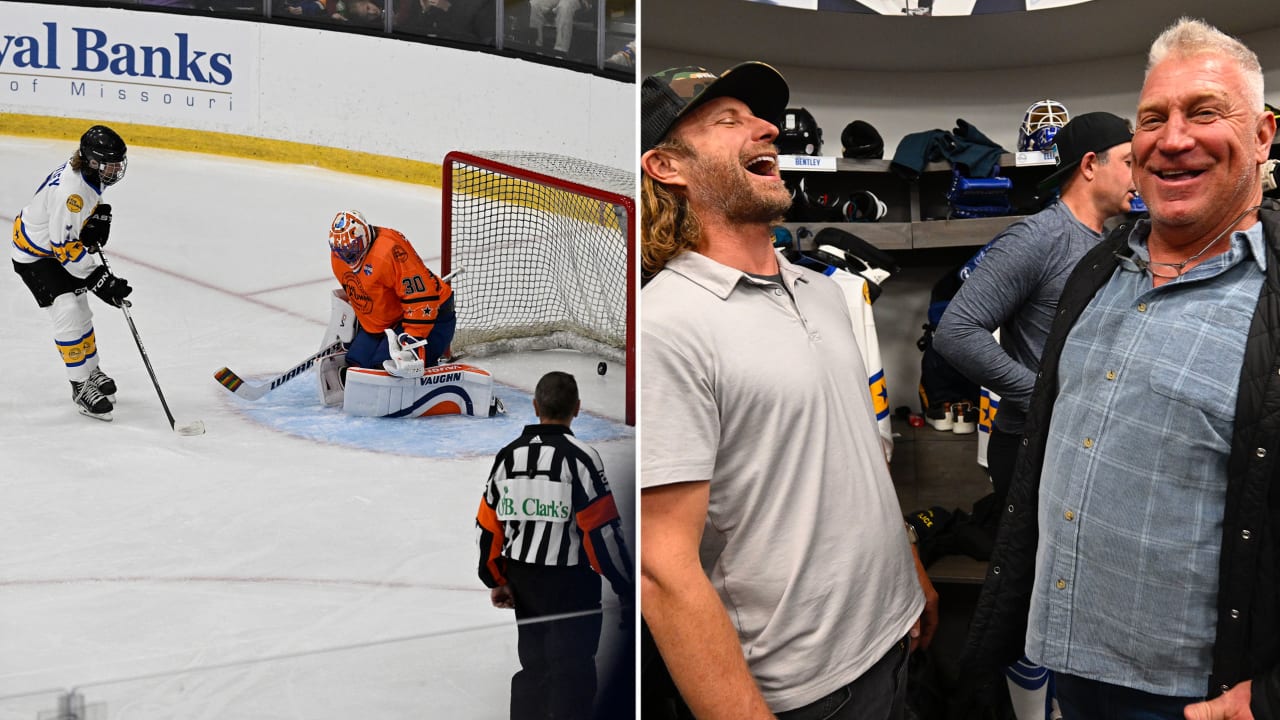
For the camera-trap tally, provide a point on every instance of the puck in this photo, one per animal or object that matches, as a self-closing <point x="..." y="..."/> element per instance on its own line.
<point x="602" y="368"/>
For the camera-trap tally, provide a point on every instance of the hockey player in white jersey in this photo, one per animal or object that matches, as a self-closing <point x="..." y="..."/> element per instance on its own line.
<point x="55" y="238"/>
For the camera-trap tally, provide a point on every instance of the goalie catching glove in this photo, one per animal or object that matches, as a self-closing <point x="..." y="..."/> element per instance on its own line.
<point x="405" y="361"/>
<point x="96" y="229"/>
<point x="111" y="289"/>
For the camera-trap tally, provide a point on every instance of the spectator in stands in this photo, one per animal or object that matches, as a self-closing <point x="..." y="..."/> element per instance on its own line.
<point x="563" y="10"/>
<point x="467" y="20"/>
<point x="626" y="57"/>
<point x="363" y="12"/>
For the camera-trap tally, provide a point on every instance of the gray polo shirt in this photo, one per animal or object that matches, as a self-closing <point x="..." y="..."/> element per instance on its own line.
<point x="761" y="390"/>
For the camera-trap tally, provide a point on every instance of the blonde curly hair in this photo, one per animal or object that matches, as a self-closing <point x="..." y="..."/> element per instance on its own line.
<point x="668" y="226"/>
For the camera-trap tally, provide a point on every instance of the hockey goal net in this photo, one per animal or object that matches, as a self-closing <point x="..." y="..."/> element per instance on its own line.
<point x="546" y="245"/>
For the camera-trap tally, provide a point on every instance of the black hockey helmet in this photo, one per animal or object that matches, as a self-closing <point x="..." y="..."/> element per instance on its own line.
<point x="103" y="151"/>
<point x="798" y="133"/>
<point x="862" y="141"/>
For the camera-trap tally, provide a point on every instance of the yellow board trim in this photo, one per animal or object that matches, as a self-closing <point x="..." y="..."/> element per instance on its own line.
<point x="241" y="146"/>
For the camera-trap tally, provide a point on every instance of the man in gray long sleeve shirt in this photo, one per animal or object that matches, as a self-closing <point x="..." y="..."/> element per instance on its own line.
<point x="1016" y="286"/>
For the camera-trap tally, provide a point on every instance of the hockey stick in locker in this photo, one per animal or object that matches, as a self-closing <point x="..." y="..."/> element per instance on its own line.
<point x="254" y="391"/>
<point x="193" y="428"/>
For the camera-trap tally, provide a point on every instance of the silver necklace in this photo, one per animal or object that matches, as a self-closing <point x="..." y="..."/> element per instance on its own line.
<point x="1179" y="268"/>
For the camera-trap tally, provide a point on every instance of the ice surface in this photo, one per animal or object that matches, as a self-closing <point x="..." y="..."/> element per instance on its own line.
<point x="290" y="563"/>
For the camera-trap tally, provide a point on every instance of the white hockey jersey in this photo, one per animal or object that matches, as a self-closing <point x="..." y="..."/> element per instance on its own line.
<point x="988" y="405"/>
<point x="864" y="331"/>
<point x="49" y="226"/>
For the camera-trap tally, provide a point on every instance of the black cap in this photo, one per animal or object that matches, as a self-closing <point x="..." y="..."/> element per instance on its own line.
<point x="669" y="95"/>
<point x="861" y="140"/>
<point x="1093" y="132"/>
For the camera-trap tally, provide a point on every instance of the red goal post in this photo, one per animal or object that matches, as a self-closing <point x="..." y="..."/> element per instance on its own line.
<point x="546" y="245"/>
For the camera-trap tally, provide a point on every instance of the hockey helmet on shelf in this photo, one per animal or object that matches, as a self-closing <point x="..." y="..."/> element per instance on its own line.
<point x="862" y="141"/>
<point x="102" y="151"/>
<point x="863" y="206"/>
<point x="799" y="134"/>
<point x="822" y="205"/>
<point x="1040" y="124"/>
<point x="349" y="236"/>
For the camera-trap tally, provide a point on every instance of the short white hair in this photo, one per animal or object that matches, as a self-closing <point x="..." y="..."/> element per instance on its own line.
<point x="1190" y="36"/>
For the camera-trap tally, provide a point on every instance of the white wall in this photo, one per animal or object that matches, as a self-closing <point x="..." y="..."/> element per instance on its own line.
<point x="375" y="95"/>
<point x="900" y="103"/>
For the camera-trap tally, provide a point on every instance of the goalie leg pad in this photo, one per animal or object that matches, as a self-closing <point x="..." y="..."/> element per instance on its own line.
<point x="342" y="320"/>
<point x="444" y="390"/>
<point x="329" y="372"/>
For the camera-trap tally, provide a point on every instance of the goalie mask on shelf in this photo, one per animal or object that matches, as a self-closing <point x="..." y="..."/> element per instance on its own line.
<point x="1040" y="124"/>
<point x="798" y="133"/>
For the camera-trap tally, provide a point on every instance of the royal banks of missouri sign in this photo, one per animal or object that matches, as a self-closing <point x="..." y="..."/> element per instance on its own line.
<point x="119" y="63"/>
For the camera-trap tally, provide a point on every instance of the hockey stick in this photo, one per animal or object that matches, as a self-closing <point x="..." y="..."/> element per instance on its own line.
<point x="193" y="428"/>
<point x="254" y="391"/>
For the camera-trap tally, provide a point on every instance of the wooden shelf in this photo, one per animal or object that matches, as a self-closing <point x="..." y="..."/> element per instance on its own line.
<point x="910" y="202"/>
<point x="884" y="235"/>
<point x="919" y="235"/>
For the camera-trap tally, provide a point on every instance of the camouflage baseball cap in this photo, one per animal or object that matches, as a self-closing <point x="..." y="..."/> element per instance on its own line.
<point x="669" y="95"/>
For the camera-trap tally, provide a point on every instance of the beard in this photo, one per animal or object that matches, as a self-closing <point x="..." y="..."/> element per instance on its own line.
<point x="723" y="186"/>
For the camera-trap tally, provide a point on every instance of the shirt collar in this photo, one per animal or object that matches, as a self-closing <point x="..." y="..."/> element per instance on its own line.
<point x="1244" y="243"/>
<point x="720" y="280"/>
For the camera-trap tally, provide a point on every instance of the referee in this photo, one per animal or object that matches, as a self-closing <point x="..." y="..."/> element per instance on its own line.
<point x="546" y="527"/>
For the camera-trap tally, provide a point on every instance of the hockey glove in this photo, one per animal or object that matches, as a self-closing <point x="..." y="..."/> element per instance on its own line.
<point x="96" y="229"/>
<point x="111" y="289"/>
<point x="405" y="361"/>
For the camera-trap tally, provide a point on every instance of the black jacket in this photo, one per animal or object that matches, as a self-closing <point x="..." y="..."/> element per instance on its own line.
<point x="1248" y="629"/>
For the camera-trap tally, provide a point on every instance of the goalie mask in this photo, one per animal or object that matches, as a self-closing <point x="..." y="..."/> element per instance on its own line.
<point x="1040" y="125"/>
<point x="798" y="133"/>
<point x="349" y="237"/>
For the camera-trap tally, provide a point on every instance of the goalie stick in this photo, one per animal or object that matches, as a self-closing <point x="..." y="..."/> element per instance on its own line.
<point x="254" y="391"/>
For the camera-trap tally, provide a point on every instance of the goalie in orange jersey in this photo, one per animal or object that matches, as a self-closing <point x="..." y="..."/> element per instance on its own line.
<point x="390" y="288"/>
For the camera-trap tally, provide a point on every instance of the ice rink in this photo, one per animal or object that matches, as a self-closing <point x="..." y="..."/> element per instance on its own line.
<point x="291" y="562"/>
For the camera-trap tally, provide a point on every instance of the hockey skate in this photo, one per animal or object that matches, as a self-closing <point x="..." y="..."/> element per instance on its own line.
<point x="104" y="383"/>
<point x="90" y="400"/>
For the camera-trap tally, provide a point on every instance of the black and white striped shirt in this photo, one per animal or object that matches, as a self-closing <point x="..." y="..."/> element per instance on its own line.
<point x="547" y="502"/>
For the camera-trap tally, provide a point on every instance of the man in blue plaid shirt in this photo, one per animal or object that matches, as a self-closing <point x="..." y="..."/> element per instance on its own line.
<point x="1139" y="554"/>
